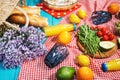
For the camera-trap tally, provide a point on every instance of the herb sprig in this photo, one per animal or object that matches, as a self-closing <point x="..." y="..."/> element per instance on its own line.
<point x="89" y="39"/>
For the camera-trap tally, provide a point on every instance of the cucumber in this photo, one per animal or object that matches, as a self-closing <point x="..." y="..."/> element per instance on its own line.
<point x="106" y="45"/>
<point x="119" y="41"/>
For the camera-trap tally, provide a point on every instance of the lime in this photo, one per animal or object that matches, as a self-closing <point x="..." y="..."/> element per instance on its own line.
<point x="65" y="73"/>
<point x="82" y="60"/>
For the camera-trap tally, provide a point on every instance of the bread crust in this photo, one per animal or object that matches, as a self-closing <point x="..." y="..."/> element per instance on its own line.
<point x="101" y="55"/>
<point x="34" y="20"/>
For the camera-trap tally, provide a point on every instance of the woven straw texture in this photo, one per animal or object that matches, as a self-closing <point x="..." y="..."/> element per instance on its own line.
<point x="6" y="7"/>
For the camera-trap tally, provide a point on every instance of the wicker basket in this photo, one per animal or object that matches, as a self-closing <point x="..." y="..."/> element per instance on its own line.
<point x="6" y="7"/>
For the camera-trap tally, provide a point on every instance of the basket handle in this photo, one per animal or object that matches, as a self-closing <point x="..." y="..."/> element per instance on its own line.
<point x="26" y="17"/>
<point x="25" y="14"/>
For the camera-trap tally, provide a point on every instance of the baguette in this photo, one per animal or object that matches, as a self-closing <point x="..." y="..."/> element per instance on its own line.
<point x="29" y="10"/>
<point x="34" y="20"/>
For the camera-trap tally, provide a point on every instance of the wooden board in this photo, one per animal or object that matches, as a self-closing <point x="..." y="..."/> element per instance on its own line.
<point x="104" y="54"/>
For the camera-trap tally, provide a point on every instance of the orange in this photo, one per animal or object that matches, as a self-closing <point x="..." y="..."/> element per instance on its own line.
<point x="64" y="37"/>
<point x="113" y="8"/>
<point x="84" y="73"/>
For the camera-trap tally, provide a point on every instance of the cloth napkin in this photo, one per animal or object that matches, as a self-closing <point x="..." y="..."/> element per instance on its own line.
<point x="56" y="13"/>
<point x="37" y="70"/>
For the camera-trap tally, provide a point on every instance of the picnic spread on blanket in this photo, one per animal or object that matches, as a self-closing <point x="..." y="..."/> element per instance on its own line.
<point x="61" y="40"/>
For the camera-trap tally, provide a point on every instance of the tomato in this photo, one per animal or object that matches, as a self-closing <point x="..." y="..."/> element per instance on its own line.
<point x="98" y="27"/>
<point x="105" y="37"/>
<point x="99" y="33"/>
<point x="105" y="32"/>
<point x="111" y="36"/>
<point x="92" y="28"/>
<point x="104" y="29"/>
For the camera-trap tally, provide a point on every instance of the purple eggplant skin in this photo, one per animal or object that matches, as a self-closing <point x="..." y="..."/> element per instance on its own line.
<point x="100" y="17"/>
<point x="56" y="55"/>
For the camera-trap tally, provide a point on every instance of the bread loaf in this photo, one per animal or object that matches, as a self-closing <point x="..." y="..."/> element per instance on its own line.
<point x="34" y="20"/>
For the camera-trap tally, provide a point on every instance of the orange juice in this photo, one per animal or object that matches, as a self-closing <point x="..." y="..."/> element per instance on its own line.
<point x="111" y="65"/>
<point x="56" y="29"/>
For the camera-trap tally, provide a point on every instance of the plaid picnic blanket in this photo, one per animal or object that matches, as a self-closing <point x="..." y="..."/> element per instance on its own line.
<point x="37" y="70"/>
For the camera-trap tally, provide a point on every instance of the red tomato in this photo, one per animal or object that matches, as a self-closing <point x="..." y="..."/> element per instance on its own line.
<point x="111" y="36"/>
<point x="99" y="33"/>
<point x="105" y="37"/>
<point x="105" y="32"/>
<point x="98" y="27"/>
<point x="92" y="27"/>
<point x="104" y="29"/>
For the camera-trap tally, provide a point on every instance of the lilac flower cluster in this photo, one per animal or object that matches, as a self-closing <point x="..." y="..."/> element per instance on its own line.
<point x="17" y="46"/>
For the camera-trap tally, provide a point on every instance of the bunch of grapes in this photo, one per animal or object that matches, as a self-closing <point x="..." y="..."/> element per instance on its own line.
<point x="17" y="46"/>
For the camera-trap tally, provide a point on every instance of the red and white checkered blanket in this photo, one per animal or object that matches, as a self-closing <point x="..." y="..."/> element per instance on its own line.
<point x="37" y="70"/>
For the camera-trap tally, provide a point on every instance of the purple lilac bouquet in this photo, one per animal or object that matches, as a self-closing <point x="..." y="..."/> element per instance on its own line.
<point x="17" y="46"/>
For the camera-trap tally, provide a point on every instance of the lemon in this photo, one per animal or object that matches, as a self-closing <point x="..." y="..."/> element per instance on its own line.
<point x="82" y="60"/>
<point x="73" y="18"/>
<point x="81" y="14"/>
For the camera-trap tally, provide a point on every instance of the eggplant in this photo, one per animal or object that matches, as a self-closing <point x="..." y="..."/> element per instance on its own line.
<point x="56" y="55"/>
<point x="100" y="17"/>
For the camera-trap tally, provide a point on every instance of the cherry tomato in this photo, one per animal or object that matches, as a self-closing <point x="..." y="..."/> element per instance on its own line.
<point x="92" y="27"/>
<point x="111" y="36"/>
<point x="104" y="29"/>
<point x="105" y="37"/>
<point x="99" y="33"/>
<point x="105" y="32"/>
<point x="98" y="27"/>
